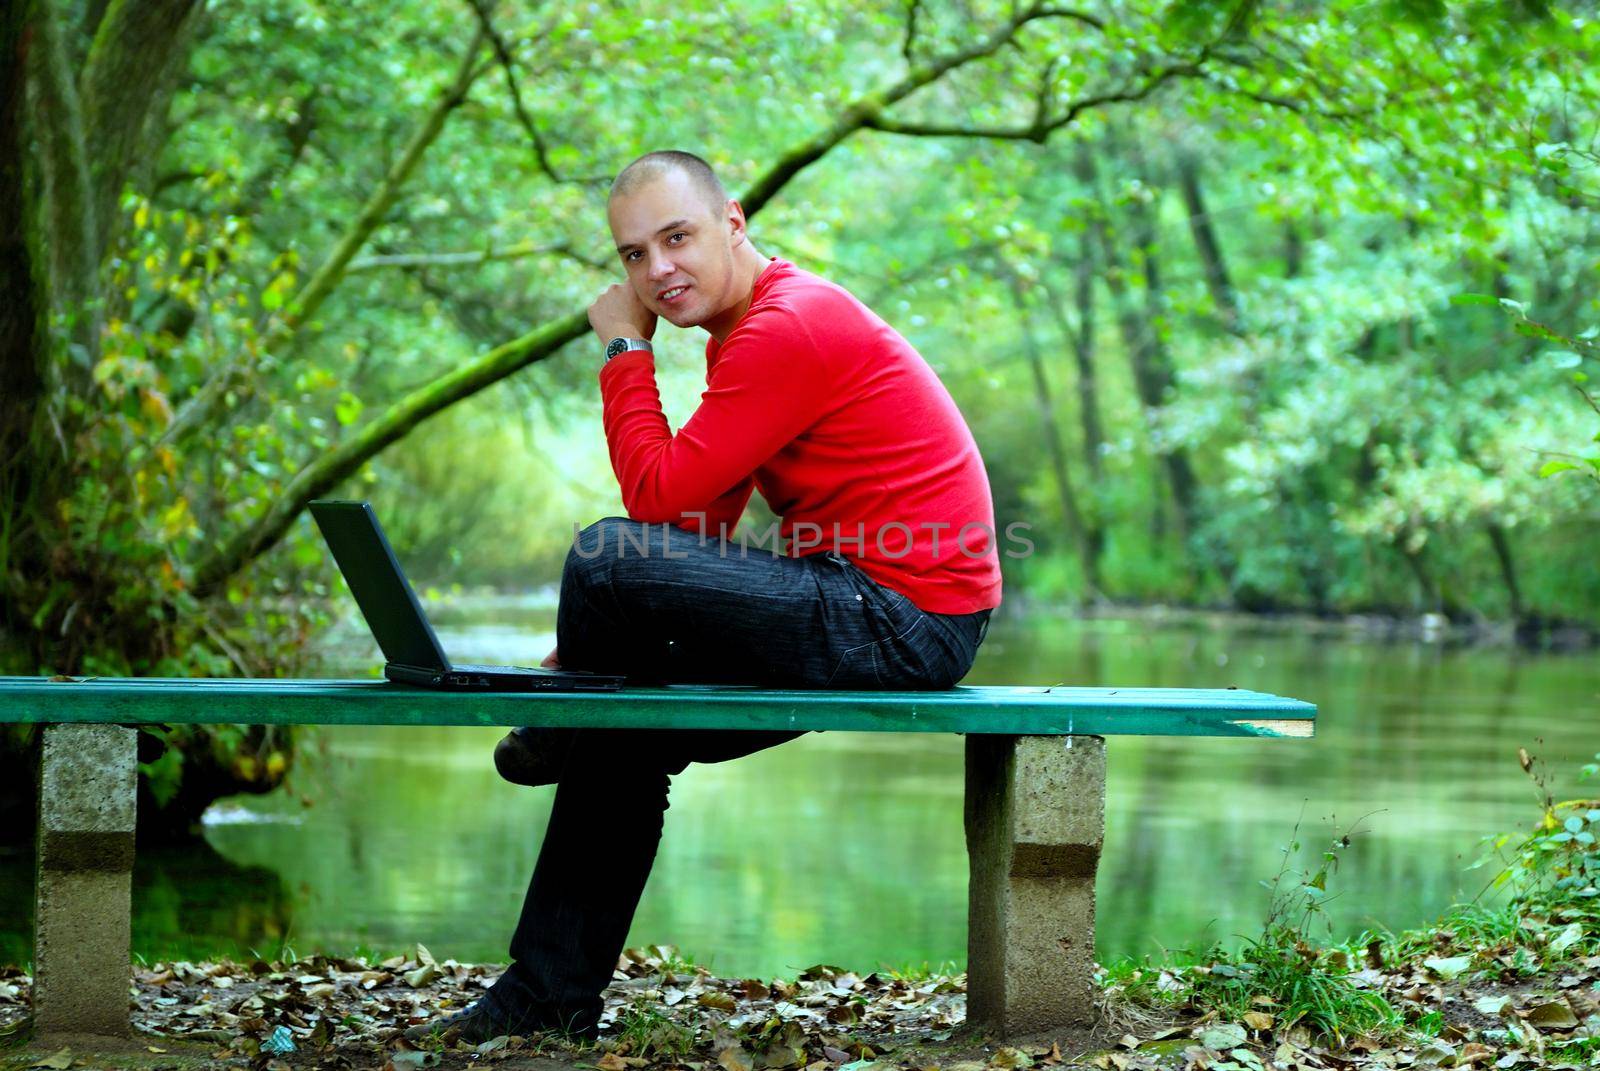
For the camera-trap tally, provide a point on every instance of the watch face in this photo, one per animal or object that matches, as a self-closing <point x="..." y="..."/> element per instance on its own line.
<point x="618" y="345"/>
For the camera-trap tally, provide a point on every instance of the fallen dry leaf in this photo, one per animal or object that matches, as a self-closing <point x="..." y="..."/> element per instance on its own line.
<point x="1554" y="1015"/>
<point x="734" y="1059"/>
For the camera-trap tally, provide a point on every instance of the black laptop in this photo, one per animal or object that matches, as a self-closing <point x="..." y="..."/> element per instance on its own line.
<point x="396" y="619"/>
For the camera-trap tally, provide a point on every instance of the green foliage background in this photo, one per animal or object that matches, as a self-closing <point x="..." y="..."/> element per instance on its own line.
<point x="1192" y="271"/>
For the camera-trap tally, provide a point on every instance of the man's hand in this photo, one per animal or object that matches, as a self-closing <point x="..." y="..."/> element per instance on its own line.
<point x="618" y="313"/>
<point x="553" y="659"/>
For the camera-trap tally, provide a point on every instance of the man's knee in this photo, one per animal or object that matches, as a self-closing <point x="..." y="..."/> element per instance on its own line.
<point x="599" y="544"/>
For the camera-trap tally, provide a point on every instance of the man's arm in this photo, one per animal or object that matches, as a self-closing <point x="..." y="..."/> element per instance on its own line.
<point x="615" y="314"/>
<point x="719" y="518"/>
<point x="768" y="386"/>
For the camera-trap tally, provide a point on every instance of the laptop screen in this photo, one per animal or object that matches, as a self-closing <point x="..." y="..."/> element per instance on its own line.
<point x="370" y="568"/>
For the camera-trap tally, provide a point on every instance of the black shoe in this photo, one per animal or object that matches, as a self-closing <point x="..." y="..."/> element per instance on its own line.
<point x="530" y="756"/>
<point x="474" y="1025"/>
<point x="479" y="1023"/>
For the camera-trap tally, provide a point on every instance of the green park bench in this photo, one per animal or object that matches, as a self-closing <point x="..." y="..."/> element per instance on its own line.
<point x="1034" y="813"/>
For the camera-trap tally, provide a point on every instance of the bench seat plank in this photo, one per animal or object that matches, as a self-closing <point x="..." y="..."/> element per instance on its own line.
<point x="1021" y="711"/>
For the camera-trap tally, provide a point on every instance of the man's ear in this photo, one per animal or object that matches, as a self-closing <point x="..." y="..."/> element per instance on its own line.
<point x="736" y="225"/>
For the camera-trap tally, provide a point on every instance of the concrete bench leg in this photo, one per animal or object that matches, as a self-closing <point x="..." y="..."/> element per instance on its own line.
<point x="1035" y="818"/>
<point x="84" y="883"/>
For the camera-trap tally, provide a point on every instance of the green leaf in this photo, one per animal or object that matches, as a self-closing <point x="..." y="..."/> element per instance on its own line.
<point x="1563" y="358"/>
<point x="1574" y="824"/>
<point x="349" y="408"/>
<point x="1550" y="468"/>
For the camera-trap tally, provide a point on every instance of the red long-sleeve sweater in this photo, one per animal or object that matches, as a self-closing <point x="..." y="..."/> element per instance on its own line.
<point x="841" y="424"/>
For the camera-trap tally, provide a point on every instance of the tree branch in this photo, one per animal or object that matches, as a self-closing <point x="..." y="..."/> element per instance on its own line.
<point x="454" y="260"/>
<point x="503" y="54"/>
<point x="235" y="376"/>
<point x="1300" y="107"/>
<point x="328" y="470"/>
<point x="1074" y="14"/>
<point x="867" y="111"/>
<point x="1041" y="128"/>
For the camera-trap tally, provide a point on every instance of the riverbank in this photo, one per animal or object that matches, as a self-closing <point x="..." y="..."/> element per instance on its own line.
<point x="1375" y="625"/>
<point x="1363" y="627"/>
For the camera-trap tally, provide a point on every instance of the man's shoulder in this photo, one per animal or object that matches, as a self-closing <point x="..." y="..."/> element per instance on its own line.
<point x="796" y="287"/>
<point x="796" y="300"/>
<point x="797" y="315"/>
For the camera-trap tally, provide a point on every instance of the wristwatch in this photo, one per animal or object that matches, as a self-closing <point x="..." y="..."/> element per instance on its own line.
<point x="618" y="346"/>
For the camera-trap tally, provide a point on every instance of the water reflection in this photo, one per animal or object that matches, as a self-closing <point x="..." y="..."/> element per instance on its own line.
<point x="188" y="901"/>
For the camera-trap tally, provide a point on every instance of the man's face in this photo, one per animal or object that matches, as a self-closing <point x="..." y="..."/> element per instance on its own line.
<point x="677" y="249"/>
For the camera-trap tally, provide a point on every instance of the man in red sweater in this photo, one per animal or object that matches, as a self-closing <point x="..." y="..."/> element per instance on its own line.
<point x="891" y="574"/>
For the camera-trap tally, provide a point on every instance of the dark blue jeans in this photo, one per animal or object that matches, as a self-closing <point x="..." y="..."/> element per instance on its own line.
<point x="660" y="604"/>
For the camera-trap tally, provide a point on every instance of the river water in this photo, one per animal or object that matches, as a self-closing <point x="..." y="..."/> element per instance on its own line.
<point x="847" y="848"/>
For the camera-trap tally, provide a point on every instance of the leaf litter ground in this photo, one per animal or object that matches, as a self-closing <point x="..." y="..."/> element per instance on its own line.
<point x="662" y="1013"/>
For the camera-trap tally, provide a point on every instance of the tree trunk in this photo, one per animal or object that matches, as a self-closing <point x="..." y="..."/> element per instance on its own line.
<point x="23" y="334"/>
<point x="32" y="456"/>
<point x="1082" y="342"/>
<point x="1070" y="512"/>
<point x="1152" y="374"/>
<point x="125" y="81"/>
<point x="1501" y="542"/>
<point x="66" y="190"/>
<point x="1207" y="247"/>
<point x="49" y="578"/>
<point x="1303" y="524"/>
<point x="1418" y="562"/>
<point x="1294" y="252"/>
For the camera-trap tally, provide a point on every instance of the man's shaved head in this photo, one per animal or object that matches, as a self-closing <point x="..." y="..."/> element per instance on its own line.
<point x="683" y="243"/>
<point x="653" y="165"/>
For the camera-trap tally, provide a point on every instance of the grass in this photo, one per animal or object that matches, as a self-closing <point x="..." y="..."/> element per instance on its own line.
<point x="913" y="973"/>
<point x="649" y="1033"/>
<point x="1473" y="929"/>
<point x="1575" y="1051"/>
<point x="1291" y="981"/>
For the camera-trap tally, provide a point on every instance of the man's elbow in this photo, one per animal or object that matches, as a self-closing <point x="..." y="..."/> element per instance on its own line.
<point x="651" y="508"/>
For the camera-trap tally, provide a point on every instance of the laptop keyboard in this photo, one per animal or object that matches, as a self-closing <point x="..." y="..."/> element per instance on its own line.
<point x="456" y="668"/>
